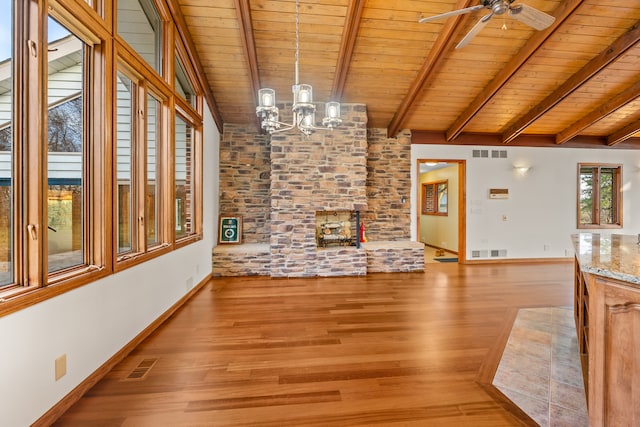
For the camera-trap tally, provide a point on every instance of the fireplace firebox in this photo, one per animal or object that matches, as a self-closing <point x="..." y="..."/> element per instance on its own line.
<point x="337" y="228"/>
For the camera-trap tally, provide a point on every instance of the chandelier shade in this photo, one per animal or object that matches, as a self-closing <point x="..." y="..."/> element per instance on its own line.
<point x="303" y="108"/>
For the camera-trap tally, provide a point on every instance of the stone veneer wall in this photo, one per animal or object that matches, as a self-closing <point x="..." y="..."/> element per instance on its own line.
<point x="388" y="180"/>
<point x="324" y="171"/>
<point x="245" y="167"/>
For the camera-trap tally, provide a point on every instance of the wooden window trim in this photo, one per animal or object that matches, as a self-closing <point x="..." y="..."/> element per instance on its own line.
<point x="94" y="26"/>
<point x="617" y="191"/>
<point x="429" y="194"/>
<point x="196" y="212"/>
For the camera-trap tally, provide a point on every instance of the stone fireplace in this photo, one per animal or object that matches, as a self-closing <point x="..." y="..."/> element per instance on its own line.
<point x="284" y="184"/>
<point x="325" y="171"/>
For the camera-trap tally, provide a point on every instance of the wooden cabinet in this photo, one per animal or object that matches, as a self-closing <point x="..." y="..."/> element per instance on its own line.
<point x="608" y="316"/>
<point x="581" y="313"/>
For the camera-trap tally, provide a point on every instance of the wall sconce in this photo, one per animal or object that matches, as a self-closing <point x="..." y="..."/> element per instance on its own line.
<point x="522" y="170"/>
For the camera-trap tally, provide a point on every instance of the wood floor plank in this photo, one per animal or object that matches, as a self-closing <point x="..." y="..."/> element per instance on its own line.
<point x="404" y="349"/>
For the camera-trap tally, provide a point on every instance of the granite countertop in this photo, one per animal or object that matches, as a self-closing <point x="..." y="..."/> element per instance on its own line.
<point x="616" y="256"/>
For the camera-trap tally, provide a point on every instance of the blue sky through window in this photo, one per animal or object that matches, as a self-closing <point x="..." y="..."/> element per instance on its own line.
<point x="5" y="29"/>
<point x="56" y="31"/>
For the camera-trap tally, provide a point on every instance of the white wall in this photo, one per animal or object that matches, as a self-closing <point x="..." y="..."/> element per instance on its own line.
<point x="91" y="323"/>
<point x="541" y="208"/>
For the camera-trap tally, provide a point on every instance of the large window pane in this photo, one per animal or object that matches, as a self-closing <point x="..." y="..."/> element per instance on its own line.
<point x="586" y="195"/>
<point x="65" y="140"/>
<point x="151" y="202"/>
<point x="124" y="171"/>
<point x="6" y="152"/>
<point x="607" y="196"/>
<point x="139" y="24"/>
<point x="184" y="163"/>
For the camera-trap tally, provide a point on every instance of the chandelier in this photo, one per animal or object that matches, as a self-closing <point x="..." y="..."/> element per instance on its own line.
<point x="303" y="109"/>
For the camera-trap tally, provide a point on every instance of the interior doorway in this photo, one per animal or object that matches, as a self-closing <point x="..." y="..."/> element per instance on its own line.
<point x="442" y="209"/>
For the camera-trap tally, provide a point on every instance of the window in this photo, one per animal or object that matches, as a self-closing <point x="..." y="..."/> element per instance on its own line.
<point x="183" y="85"/>
<point x="599" y="196"/>
<point x="65" y="142"/>
<point x="6" y="152"/>
<point x="435" y="198"/>
<point x="153" y="169"/>
<point x="184" y="166"/>
<point x="78" y="195"/>
<point x="141" y="174"/>
<point x="125" y="108"/>
<point x="140" y="26"/>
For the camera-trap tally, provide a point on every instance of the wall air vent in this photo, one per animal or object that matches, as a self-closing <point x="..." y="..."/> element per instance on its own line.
<point x="479" y="253"/>
<point x="498" y="253"/>
<point x="480" y="153"/>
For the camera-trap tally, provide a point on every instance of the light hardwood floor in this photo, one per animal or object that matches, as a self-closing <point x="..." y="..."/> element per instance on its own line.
<point x="403" y="349"/>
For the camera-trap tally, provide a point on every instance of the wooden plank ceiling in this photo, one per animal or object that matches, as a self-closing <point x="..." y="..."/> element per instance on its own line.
<point x="575" y="82"/>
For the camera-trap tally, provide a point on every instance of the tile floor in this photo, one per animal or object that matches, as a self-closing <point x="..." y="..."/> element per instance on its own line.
<point x="540" y="368"/>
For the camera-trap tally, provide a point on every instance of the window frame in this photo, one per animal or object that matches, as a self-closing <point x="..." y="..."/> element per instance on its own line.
<point x="616" y="194"/>
<point x="141" y="251"/>
<point x="196" y="177"/>
<point x="93" y="24"/>
<point x="430" y="197"/>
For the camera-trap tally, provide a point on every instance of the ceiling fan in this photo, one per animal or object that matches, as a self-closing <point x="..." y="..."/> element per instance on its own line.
<point x="521" y="12"/>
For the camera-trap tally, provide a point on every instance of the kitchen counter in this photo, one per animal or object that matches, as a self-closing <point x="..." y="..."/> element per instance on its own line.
<point x="615" y="256"/>
<point x="607" y="311"/>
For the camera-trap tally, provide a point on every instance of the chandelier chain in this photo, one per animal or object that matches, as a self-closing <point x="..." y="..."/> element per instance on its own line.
<point x="297" y="80"/>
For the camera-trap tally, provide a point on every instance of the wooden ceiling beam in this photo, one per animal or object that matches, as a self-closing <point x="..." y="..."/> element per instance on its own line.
<point x="432" y="63"/>
<point x="561" y="13"/>
<point x="243" y="11"/>
<point x="593" y="67"/>
<point x="183" y="31"/>
<point x="599" y="113"/>
<point x="347" y="44"/>
<point x="495" y="140"/>
<point x="623" y="134"/>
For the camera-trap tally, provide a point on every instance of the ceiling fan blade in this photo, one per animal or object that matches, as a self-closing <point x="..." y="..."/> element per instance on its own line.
<point x="531" y="16"/>
<point x="475" y="30"/>
<point x="452" y="13"/>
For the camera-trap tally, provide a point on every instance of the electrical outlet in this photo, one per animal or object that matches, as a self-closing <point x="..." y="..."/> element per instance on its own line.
<point x="61" y="366"/>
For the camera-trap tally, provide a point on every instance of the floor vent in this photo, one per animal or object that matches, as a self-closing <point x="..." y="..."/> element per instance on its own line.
<point x="141" y="371"/>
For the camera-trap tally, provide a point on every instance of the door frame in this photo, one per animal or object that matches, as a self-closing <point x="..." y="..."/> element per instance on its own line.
<point x="462" y="202"/>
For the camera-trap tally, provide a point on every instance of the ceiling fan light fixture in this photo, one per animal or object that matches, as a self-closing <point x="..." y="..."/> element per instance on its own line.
<point x="526" y="14"/>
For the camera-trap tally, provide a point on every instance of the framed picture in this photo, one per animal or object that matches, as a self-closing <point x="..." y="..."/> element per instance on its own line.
<point x="230" y="229"/>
